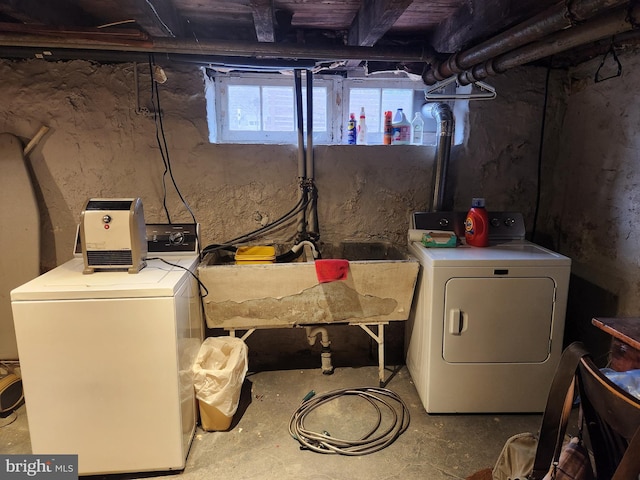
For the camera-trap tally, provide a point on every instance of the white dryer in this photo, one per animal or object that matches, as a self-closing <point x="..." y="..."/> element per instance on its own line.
<point x="486" y="329"/>
<point x="106" y="362"/>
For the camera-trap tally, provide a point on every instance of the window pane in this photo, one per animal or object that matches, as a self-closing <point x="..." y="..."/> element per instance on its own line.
<point x="244" y="107"/>
<point x="369" y="98"/>
<point x="277" y="109"/>
<point x="395" y="98"/>
<point x="319" y="109"/>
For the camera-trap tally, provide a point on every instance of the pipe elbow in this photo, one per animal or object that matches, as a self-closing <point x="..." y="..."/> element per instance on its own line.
<point x="441" y="112"/>
<point x="298" y="246"/>
<point x="324" y="336"/>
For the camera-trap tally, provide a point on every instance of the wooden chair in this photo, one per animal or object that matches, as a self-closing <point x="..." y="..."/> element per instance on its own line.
<point x="612" y="418"/>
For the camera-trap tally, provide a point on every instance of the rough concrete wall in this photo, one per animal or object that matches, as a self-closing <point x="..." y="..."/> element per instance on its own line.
<point x="596" y="194"/>
<point x="102" y="143"/>
<point x="499" y="158"/>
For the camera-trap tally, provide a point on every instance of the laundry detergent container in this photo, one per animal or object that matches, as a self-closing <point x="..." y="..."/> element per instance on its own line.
<point x="218" y="374"/>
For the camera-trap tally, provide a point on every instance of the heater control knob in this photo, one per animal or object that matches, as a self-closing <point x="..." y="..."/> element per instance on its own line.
<point x="176" y="238"/>
<point x="106" y="219"/>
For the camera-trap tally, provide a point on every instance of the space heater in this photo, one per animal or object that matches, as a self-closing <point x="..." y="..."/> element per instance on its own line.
<point x="113" y="235"/>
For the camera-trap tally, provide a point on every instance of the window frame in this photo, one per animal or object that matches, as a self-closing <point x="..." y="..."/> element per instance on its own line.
<point x="336" y="104"/>
<point x="225" y="135"/>
<point x="374" y="137"/>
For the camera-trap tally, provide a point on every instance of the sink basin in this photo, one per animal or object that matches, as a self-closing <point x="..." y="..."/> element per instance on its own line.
<point x="379" y="288"/>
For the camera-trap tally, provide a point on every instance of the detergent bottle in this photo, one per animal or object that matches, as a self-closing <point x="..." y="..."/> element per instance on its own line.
<point x="401" y="129"/>
<point x="476" y="226"/>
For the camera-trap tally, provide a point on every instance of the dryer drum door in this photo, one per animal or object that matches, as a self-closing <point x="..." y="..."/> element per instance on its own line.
<point x="498" y="320"/>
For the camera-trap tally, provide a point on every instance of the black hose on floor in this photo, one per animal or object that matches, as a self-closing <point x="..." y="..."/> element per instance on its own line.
<point x="371" y="442"/>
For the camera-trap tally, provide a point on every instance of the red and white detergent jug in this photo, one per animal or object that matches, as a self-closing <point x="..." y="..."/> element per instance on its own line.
<point x="476" y="226"/>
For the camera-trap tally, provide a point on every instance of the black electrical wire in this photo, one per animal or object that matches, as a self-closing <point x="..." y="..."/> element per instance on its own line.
<point x="164" y="149"/>
<point x="162" y="154"/>
<point x="299" y="206"/>
<point x="202" y="286"/>
<point x="371" y="442"/>
<point x="541" y="153"/>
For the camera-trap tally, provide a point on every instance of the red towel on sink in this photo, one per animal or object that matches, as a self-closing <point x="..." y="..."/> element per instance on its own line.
<point x="331" y="269"/>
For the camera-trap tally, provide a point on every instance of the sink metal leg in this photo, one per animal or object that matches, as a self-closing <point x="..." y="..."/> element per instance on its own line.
<point x="380" y="339"/>
<point x="232" y="333"/>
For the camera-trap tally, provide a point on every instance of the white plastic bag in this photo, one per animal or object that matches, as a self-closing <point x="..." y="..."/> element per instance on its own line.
<point x="219" y="371"/>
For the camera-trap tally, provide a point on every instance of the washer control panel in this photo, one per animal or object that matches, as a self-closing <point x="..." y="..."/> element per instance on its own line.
<point x="172" y="238"/>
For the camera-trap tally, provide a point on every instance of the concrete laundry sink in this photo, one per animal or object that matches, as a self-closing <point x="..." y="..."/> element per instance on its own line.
<point x="379" y="288"/>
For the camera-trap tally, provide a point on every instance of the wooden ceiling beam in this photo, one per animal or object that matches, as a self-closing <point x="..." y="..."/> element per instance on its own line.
<point x="59" y="13"/>
<point x="262" y="11"/>
<point x="374" y="19"/>
<point x="476" y="21"/>
<point x="158" y="18"/>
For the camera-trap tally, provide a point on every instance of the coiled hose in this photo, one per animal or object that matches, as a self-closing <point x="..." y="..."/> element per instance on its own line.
<point x="372" y="441"/>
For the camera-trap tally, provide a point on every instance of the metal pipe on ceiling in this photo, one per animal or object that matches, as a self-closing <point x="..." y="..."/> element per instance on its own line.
<point x="558" y="17"/>
<point x="619" y="21"/>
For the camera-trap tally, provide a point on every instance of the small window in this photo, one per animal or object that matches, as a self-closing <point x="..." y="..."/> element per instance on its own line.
<point x="381" y="95"/>
<point x="260" y="108"/>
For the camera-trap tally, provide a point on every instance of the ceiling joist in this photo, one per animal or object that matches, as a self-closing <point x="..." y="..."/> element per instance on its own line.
<point x="60" y="13"/>
<point x="476" y="21"/>
<point x="157" y="17"/>
<point x="262" y="11"/>
<point x="374" y="19"/>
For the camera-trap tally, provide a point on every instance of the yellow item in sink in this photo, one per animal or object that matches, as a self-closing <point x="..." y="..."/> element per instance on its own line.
<point x="255" y="255"/>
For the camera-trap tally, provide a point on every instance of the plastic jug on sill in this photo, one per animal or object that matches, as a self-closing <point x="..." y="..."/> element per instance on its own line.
<point x="401" y="129"/>
<point x="417" y="127"/>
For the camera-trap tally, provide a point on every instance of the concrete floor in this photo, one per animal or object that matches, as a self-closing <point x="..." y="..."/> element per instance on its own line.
<point x="258" y="445"/>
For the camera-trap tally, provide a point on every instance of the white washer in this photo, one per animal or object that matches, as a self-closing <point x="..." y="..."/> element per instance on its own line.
<point x="106" y="362"/>
<point x="486" y="329"/>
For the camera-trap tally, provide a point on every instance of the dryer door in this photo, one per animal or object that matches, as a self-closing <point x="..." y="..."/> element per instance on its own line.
<point x="498" y="320"/>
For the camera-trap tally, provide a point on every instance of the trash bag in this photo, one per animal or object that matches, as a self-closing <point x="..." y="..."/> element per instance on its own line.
<point x="629" y="380"/>
<point x="218" y="374"/>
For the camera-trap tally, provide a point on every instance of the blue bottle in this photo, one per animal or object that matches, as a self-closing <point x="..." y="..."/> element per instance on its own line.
<point x="351" y="130"/>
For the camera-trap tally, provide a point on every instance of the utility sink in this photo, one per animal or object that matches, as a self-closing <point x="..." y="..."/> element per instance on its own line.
<point x="379" y="288"/>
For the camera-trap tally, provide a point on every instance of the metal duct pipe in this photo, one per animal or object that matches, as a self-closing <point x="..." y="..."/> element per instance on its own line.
<point x="442" y="113"/>
<point x="618" y="21"/>
<point x="558" y="17"/>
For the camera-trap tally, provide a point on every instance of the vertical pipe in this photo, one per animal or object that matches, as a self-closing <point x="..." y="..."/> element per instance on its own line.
<point x="309" y="163"/>
<point x="302" y="173"/>
<point x="310" y="170"/>
<point x="441" y="112"/>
